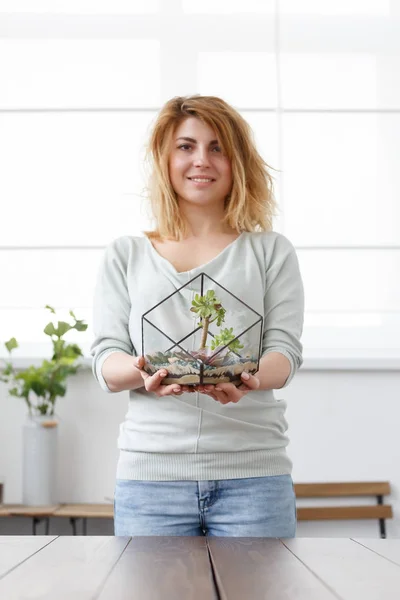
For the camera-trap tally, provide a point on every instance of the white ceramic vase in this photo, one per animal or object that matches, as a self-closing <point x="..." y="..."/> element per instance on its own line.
<point x="39" y="461"/>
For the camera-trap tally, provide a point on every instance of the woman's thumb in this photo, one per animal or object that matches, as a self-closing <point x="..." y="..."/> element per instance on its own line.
<point x="139" y="362"/>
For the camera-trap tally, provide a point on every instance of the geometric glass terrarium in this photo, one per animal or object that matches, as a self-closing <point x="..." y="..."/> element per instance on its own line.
<point x="201" y="334"/>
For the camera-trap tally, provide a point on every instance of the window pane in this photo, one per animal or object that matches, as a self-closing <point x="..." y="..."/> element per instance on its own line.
<point x="337" y="80"/>
<point x="245" y="79"/>
<point x="336" y="7"/>
<point x="351" y="334"/>
<point x="331" y="63"/>
<point x="340" y="175"/>
<point x="265" y="130"/>
<point x="63" y="278"/>
<point x="76" y="178"/>
<point x="27" y="325"/>
<point x="228" y="6"/>
<point x="349" y="280"/>
<point x="79" y="7"/>
<point x="55" y="73"/>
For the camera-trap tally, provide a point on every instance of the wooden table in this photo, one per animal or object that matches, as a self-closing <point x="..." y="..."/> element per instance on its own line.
<point x="198" y="568"/>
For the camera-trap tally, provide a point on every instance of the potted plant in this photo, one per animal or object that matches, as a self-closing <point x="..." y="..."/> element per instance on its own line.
<point x="39" y="387"/>
<point x="208" y="351"/>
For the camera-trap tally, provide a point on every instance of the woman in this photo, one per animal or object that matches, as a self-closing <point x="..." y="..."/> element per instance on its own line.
<point x="209" y="460"/>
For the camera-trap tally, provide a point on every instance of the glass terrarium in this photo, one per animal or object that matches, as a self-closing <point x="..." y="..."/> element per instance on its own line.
<point x="201" y="334"/>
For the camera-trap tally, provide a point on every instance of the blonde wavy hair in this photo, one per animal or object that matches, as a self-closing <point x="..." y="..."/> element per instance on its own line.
<point x="250" y="206"/>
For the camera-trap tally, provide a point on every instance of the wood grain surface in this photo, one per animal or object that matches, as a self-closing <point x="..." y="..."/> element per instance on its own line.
<point x="349" y="488"/>
<point x="68" y="568"/>
<point x="328" y="513"/>
<point x="167" y="568"/>
<point x="258" y="569"/>
<point x="16" y="549"/>
<point x="99" y="511"/>
<point x="194" y="568"/>
<point x="352" y="570"/>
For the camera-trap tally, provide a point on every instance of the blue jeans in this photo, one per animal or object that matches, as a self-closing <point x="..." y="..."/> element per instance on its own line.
<point x="250" y="507"/>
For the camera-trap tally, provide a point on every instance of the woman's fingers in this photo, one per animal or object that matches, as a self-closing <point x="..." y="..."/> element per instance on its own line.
<point x="153" y="382"/>
<point x="250" y="381"/>
<point x="168" y="390"/>
<point x="227" y="392"/>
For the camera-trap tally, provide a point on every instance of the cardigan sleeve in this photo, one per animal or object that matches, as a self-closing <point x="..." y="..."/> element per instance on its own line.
<point x="283" y="305"/>
<point x="111" y="308"/>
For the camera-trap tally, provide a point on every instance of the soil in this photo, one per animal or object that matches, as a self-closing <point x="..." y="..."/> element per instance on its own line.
<point x="182" y="370"/>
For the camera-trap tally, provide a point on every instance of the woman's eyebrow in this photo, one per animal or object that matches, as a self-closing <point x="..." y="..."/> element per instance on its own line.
<point x="189" y="139"/>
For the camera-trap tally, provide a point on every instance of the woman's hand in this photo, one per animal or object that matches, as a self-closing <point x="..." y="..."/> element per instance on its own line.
<point x="228" y="392"/>
<point x="153" y="383"/>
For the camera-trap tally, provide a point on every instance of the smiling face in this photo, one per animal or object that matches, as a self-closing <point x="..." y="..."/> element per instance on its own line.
<point x="199" y="170"/>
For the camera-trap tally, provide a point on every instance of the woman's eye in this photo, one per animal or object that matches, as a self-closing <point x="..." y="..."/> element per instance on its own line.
<point x="217" y="149"/>
<point x="184" y="147"/>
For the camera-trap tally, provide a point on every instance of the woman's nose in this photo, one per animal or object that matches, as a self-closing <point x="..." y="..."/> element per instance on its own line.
<point x="200" y="158"/>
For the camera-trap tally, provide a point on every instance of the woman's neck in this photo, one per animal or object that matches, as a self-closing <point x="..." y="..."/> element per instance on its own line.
<point x="205" y="221"/>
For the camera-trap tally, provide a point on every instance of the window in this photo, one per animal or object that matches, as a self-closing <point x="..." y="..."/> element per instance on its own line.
<point x="80" y="85"/>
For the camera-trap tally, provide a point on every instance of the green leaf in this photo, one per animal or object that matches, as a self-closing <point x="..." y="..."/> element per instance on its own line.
<point x="49" y="329"/>
<point x="80" y="326"/>
<point x="11" y="344"/>
<point x="62" y="328"/>
<point x="14" y="392"/>
<point x="51" y="309"/>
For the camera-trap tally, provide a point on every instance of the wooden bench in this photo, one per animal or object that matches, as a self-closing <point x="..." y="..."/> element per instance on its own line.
<point x="75" y="512"/>
<point x="36" y="513"/>
<point x="379" y="511"/>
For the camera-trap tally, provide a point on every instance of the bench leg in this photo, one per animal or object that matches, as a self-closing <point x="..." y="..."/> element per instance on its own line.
<point x="382" y="525"/>
<point x="382" y="528"/>
<point x="36" y="520"/>
<point x="72" y="520"/>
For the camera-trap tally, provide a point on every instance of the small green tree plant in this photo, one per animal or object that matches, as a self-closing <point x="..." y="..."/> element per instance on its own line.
<point x="210" y="309"/>
<point x="48" y="381"/>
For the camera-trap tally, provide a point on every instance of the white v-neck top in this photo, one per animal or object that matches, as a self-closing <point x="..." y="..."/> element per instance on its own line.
<point x="193" y="437"/>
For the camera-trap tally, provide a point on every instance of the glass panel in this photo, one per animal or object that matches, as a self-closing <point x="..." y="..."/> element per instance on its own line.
<point x="76" y="178"/>
<point x="55" y="73"/>
<point x="244" y="79"/>
<point x="228" y="6"/>
<point x="340" y="175"/>
<point x="79" y="7"/>
<point x="350" y="280"/>
<point x="32" y="279"/>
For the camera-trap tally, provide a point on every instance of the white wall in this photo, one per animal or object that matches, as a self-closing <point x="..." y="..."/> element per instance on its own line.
<point x="343" y="425"/>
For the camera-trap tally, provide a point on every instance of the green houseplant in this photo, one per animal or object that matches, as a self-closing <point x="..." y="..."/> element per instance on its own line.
<point x="40" y="386"/>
